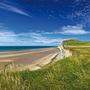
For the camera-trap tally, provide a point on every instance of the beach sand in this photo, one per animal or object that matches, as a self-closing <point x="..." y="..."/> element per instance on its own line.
<point x="26" y="56"/>
<point x="33" y="60"/>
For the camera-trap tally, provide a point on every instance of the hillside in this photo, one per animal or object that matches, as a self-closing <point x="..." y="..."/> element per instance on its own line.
<point x="73" y="42"/>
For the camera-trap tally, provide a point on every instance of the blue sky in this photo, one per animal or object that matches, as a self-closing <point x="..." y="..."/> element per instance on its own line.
<point x="43" y="22"/>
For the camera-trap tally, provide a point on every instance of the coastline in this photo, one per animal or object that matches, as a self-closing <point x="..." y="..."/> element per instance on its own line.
<point x="41" y="57"/>
<point x="12" y="55"/>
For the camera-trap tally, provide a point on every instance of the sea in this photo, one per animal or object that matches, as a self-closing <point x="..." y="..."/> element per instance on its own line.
<point x="19" y="48"/>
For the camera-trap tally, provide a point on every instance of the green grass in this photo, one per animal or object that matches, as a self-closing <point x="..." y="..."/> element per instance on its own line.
<point x="76" y="43"/>
<point x="71" y="73"/>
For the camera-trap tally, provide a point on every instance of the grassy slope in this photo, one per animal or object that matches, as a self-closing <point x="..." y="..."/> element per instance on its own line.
<point x="76" y="43"/>
<point x="71" y="73"/>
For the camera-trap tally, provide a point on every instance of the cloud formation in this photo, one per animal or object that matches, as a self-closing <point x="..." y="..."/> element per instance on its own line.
<point x="8" y="37"/>
<point x="13" y="9"/>
<point x="39" y="38"/>
<point x="74" y="30"/>
<point x="70" y="30"/>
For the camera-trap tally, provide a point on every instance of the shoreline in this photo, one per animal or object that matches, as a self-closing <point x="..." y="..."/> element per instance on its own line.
<point x="13" y="56"/>
<point x="40" y="62"/>
<point x="21" y="48"/>
<point x="21" y="51"/>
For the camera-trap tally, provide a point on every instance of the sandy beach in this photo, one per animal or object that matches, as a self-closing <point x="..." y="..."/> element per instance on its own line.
<point x="26" y="56"/>
<point x="34" y="60"/>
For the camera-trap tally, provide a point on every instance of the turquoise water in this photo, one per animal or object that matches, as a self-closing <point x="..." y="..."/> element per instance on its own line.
<point x="19" y="48"/>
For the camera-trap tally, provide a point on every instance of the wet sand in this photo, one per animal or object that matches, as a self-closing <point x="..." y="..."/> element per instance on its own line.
<point x="26" y="56"/>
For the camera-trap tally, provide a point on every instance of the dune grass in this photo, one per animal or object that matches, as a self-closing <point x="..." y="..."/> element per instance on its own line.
<point x="73" y="42"/>
<point x="72" y="73"/>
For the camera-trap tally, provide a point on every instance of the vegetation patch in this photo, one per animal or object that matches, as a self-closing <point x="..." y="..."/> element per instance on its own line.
<point x="73" y="42"/>
<point x="72" y="73"/>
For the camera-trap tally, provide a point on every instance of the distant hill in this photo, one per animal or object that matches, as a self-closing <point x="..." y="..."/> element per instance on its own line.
<point x="74" y="42"/>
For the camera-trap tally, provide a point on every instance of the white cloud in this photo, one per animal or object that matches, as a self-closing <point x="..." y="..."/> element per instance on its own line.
<point x="74" y="30"/>
<point x="8" y="37"/>
<point x="39" y="38"/>
<point x="13" y="9"/>
<point x="70" y="30"/>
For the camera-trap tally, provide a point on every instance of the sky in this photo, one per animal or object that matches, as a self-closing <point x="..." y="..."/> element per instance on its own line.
<point x="43" y="22"/>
